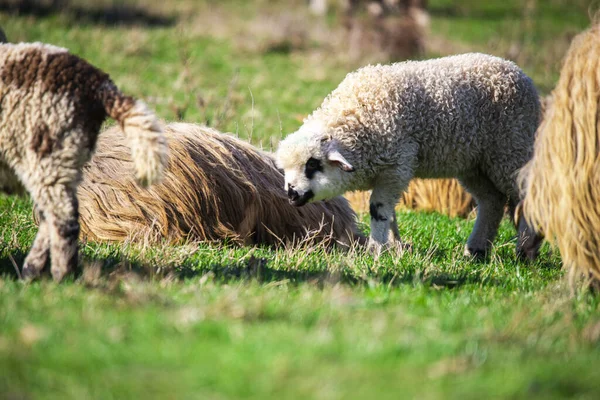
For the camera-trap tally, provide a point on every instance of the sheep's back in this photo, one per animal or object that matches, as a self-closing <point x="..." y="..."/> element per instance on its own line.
<point x="455" y="109"/>
<point x="47" y="95"/>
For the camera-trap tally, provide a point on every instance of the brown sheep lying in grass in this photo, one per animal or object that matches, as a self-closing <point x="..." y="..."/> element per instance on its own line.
<point x="216" y="187"/>
<point x="562" y="180"/>
<point x="52" y="105"/>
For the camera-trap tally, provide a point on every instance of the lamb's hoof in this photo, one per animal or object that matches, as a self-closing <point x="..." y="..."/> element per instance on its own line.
<point x="58" y="274"/>
<point x="594" y="284"/>
<point x="527" y="254"/>
<point x="475" y="254"/>
<point x="528" y="248"/>
<point x="374" y="248"/>
<point x="29" y="272"/>
<point x="396" y="247"/>
<point x="402" y="247"/>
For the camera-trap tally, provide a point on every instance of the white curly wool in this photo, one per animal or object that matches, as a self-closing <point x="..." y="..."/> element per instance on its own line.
<point x="470" y="116"/>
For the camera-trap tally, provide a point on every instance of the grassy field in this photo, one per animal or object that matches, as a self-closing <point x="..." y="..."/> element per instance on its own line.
<point x="200" y="321"/>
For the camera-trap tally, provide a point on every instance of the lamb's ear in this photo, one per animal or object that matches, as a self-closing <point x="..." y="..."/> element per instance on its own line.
<point x="336" y="158"/>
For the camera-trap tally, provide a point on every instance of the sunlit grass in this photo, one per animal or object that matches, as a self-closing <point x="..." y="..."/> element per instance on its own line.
<point x="218" y="321"/>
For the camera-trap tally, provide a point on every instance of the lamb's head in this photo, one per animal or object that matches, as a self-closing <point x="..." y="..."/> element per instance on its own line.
<point x="313" y="164"/>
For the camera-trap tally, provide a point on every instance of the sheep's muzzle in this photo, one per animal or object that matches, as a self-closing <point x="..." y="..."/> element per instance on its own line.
<point x="298" y="200"/>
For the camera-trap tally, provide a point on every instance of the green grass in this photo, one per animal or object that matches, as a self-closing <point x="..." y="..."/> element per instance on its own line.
<point x="200" y="321"/>
<point x="255" y="323"/>
<point x="535" y="34"/>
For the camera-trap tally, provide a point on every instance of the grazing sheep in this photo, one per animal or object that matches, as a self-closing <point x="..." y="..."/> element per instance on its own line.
<point x="470" y="116"/>
<point x="562" y="180"/>
<point x="52" y="105"/>
<point x="216" y="187"/>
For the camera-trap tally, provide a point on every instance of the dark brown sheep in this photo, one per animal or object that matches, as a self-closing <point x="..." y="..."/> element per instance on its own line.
<point x="52" y="104"/>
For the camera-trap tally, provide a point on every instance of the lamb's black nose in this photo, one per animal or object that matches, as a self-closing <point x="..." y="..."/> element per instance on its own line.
<point x="292" y="194"/>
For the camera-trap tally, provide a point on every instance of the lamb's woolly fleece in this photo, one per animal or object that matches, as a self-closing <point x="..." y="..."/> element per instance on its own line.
<point x="562" y="181"/>
<point x="471" y="116"/>
<point x="459" y="111"/>
<point x="52" y="105"/>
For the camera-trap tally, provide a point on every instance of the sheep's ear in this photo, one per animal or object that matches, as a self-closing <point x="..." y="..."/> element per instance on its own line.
<point x="336" y="158"/>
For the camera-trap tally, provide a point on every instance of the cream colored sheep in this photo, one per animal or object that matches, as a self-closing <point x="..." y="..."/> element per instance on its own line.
<point x="52" y="105"/>
<point x="562" y="180"/>
<point x="471" y="116"/>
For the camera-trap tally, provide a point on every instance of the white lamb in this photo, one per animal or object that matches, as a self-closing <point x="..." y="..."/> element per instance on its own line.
<point x="470" y="116"/>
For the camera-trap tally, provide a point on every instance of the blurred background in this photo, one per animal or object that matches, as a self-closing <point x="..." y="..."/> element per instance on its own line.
<point x="259" y="323"/>
<point x="257" y="68"/>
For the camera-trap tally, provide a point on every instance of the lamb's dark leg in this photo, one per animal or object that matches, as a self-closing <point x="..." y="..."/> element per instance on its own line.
<point x="63" y="224"/>
<point x="38" y="255"/>
<point x="382" y="206"/>
<point x="394" y="226"/>
<point x="528" y="240"/>
<point x="490" y="209"/>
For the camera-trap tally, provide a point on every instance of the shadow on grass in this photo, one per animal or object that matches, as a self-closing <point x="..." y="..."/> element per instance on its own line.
<point x="10" y="263"/>
<point x="110" y="269"/>
<point x="113" y="14"/>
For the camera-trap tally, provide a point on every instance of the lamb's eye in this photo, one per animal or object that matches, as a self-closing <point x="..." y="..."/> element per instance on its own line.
<point x="313" y="164"/>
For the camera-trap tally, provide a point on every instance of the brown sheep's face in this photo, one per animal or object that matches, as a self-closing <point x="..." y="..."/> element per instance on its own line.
<point x="313" y="167"/>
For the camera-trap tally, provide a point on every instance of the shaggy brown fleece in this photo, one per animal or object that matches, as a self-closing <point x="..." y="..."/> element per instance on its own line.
<point x="562" y="181"/>
<point x="52" y="105"/>
<point x="216" y="187"/>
